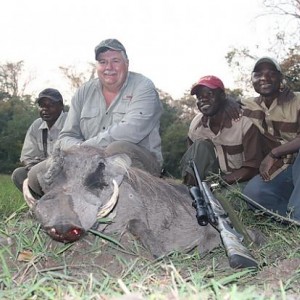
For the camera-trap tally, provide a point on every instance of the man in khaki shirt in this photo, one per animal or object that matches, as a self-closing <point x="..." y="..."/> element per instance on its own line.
<point x="217" y="143"/>
<point x="119" y="111"/>
<point x="42" y="134"/>
<point x="276" y="112"/>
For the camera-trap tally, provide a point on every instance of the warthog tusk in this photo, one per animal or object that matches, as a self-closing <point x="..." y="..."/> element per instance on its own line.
<point x="30" y="200"/>
<point x="108" y="207"/>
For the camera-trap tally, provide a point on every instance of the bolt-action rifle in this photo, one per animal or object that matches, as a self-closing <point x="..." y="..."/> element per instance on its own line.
<point x="209" y="210"/>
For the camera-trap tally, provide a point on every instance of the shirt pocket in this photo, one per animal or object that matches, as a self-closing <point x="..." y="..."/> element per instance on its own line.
<point x="89" y="121"/>
<point x="120" y="110"/>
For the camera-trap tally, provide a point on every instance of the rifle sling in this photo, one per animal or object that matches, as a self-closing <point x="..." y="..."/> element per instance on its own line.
<point x="258" y="206"/>
<point x="44" y="138"/>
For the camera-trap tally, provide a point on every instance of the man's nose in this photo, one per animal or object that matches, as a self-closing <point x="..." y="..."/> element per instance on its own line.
<point x="108" y="65"/>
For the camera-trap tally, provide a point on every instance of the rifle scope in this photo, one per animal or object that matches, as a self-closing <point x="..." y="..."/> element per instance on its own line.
<point x="199" y="205"/>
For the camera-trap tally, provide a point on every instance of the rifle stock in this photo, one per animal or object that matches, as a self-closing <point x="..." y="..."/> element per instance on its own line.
<point x="209" y="210"/>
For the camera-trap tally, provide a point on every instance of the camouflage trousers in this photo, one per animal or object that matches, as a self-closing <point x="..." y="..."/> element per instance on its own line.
<point x="203" y="154"/>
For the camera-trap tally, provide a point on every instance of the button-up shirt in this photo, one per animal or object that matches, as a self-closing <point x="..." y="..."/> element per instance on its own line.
<point x="237" y="144"/>
<point x="33" y="144"/>
<point x="133" y="116"/>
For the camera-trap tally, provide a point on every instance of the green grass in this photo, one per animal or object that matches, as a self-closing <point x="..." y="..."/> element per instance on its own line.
<point x="11" y="199"/>
<point x="82" y="270"/>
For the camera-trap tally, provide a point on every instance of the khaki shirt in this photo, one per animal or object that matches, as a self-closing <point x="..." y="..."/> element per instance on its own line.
<point x="133" y="116"/>
<point x="279" y="124"/>
<point x="33" y="144"/>
<point x="237" y="144"/>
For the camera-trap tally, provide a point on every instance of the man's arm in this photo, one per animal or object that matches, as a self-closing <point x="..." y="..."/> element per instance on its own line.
<point x="276" y="154"/>
<point x="32" y="151"/>
<point x="71" y="134"/>
<point x="287" y="148"/>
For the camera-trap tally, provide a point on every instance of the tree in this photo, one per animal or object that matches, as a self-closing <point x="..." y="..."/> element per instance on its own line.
<point x="17" y="112"/>
<point x="16" y="116"/>
<point x="77" y="78"/>
<point x="173" y="130"/>
<point x="11" y="84"/>
<point x="291" y="68"/>
<point x="286" y="43"/>
<point x="290" y="8"/>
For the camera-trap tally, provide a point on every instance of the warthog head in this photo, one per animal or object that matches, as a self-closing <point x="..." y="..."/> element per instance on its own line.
<point x="80" y="186"/>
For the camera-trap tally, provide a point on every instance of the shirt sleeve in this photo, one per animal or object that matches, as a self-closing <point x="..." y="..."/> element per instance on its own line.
<point x="143" y="113"/>
<point x="71" y="133"/>
<point x="30" y="150"/>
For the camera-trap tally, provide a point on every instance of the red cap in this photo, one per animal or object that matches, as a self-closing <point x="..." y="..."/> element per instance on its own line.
<point x="209" y="81"/>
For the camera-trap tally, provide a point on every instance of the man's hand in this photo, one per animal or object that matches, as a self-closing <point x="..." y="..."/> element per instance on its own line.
<point x="32" y="162"/>
<point x="266" y="166"/>
<point x="233" y="109"/>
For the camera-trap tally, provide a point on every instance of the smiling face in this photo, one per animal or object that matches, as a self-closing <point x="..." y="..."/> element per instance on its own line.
<point x="266" y="80"/>
<point x="112" y="69"/>
<point x="209" y="100"/>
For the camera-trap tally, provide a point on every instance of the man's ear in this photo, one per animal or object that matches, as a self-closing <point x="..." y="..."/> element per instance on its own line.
<point x="222" y="95"/>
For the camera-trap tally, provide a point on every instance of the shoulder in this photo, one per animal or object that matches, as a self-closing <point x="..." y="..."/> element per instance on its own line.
<point x="35" y="126"/>
<point x="196" y="122"/>
<point x="251" y="102"/>
<point x="87" y="86"/>
<point x="89" y="90"/>
<point x="297" y="96"/>
<point x="36" y="123"/>
<point x="139" y="78"/>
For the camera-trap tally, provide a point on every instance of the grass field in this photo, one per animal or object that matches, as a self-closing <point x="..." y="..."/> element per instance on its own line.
<point x="11" y="200"/>
<point x="35" y="267"/>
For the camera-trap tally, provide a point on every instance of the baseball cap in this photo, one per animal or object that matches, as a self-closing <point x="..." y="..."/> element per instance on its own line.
<point x="266" y="59"/>
<point x="210" y="81"/>
<point x="112" y="44"/>
<point x="50" y="93"/>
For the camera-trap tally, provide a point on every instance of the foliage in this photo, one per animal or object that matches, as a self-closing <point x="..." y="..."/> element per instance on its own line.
<point x="284" y="47"/>
<point x="17" y="112"/>
<point x="283" y="7"/>
<point x="11" y="83"/>
<point x="76" y="78"/>
<point x="16" y="115"/>
<point x="174" y="145"/>
<point x="291" y="68"/>
<point x="174" y="129"/>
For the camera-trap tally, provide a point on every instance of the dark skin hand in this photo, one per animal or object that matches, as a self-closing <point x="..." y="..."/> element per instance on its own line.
<point x="282" y="150"/>
<point x="233" y="109"/>
<point x="240" y="175"/>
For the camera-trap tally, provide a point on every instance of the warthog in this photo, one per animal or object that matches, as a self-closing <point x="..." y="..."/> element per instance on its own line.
<point x="82" y="184"/>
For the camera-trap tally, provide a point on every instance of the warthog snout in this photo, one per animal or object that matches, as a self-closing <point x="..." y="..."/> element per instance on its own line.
<point x="65" y="233"/>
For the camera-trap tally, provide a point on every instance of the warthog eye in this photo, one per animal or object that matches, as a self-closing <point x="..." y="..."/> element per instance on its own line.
<point x="95" y="180"/>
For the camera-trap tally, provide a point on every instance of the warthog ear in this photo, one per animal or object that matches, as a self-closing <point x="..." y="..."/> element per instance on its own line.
<point x="54" y="165"/>
<point x="117" y="166"/>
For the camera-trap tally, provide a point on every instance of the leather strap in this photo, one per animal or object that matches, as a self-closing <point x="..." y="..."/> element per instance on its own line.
<point x="45" y="137"/>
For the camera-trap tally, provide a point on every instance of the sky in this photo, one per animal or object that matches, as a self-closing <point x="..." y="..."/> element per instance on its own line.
<point x="173" y="43"/>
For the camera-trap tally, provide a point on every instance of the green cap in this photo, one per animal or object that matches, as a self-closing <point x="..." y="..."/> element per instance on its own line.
<point x="269" y="60"/>
<point x="112" y="44"/>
